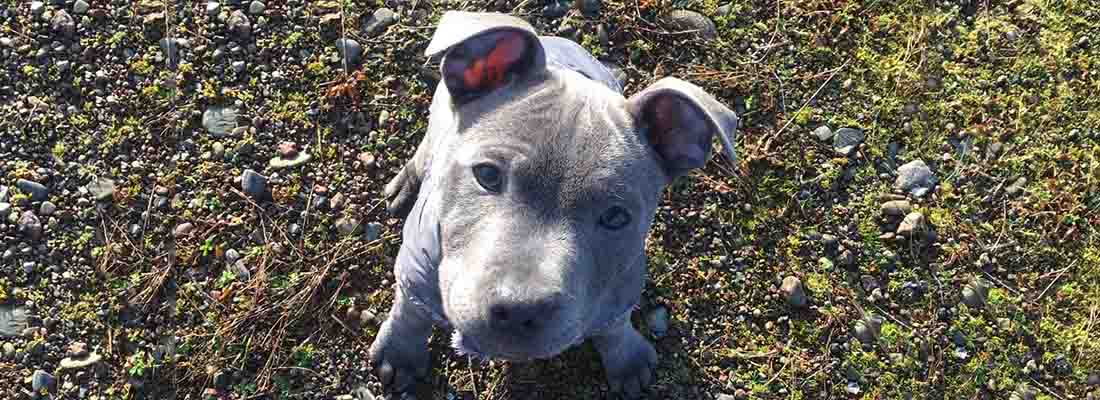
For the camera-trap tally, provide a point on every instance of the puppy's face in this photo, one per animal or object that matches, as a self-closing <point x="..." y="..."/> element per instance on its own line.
<point x="545" y="211"/>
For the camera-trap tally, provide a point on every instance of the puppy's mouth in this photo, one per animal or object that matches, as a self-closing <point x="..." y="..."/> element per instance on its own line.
<point x="470" y="345"/>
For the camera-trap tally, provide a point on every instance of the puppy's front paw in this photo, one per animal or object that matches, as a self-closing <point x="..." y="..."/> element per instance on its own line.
<point x="399" y="356"/>
<point x="629" y="362"/>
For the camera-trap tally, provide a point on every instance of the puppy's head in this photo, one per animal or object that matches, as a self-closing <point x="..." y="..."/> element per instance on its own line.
<point x="551" y="186"/>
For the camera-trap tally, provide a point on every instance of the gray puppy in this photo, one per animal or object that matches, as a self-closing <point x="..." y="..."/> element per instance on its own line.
<point x="528" y="202"/>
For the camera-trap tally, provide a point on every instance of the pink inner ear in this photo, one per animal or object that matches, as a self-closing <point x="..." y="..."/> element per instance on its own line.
<point x="675" y="131"/>
<point x="489" y="71"/>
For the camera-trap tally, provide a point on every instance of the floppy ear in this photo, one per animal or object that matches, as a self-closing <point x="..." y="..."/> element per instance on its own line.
<point x="483" y="52"/>
<point x="679" y="120"/>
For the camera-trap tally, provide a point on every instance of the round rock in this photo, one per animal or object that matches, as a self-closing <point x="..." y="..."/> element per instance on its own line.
<point x="256" y="7"/>
<point x="47" y="208"/>
<point x="102" y="189"/>
<point x="379" y="21"/>
<point x="823" y="133"/>
<point x="914" y="177"/>
<point x="219" y="121"/>
<point x="687" y="20"/>
<point x="36" y="191"/>
<point x="254" y="185"/>
<point x="867" y="329"/>
<point x="350" y="51"/>
<point x="792" y="291"/>
<point x="913" y="223"/>
<point x="80" y="7"/>
<point x="847" y="140"/>
<point x="896" y="208"/>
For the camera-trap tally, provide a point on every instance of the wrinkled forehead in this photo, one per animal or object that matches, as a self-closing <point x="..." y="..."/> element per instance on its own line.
<point x="577" y="137"/>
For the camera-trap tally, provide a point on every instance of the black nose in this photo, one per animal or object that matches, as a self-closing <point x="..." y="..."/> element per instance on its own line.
<point x="521" y="318"/>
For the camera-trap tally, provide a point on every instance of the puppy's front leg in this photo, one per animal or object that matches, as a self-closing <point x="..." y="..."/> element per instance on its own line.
<point x="399" y="354"/>
<point x="628" y="359"/>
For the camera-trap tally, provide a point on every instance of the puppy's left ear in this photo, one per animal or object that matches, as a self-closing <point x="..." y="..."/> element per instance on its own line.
<point x="484" y="51"/>
<point x="679" y="120"/>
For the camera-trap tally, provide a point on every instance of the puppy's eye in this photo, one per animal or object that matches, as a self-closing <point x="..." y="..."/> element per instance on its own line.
<point x="615" y="218"/>
<point x="488" y="176"/>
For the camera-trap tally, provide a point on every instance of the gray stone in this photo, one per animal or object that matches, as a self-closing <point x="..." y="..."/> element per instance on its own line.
<point x="350" y="51"/>
<point x="792" y="291"/>
<point x="852" y="388"/>
<point x="47" y="208"/>
<point x="724" y="10"/>
<point x="239" y="24"/>
<point x="212" y="8"/>
<point x="80" y="7"/>
<point x="687" y="20"/>
<point x="42" y="381"/>
<point x="257" y="7"/>
<point x="974" y="294"/>
<point x="4" y="193"/>
<point x="338" y="201"/>
<point x="1093" y="379"/>
<point x="1016" y="187"/>
<point x="867" y="329"/>
<point x="219" y="121"/>
<point x="278" y="162"/>
<point x="183" y="229"/>
<point x="238" y="67"/>
<point x="347" y="226"/>
<point x="218" y="150"/>
<point x="36" y="191"/>
<point x="657" y="321"/>
<point x="30" y="225"/>
<point x="232" y="255"/>
<point x="896" y="208"/>
<point x="37" y="7"/>
<point x="102" y="189"/>
<point x="242" y="272"/>
<point x="13" y="320"/>
<point x="379" y="21"/>
<point x="80" y="362"/>
<point x="823" y="133"/>
<point x="913" y="176"/>
<point x="63" y="23"/>
<point x="374" y="231"/>
<point x="254" y="185"/>
<point x="847" y="140"/>
<point x="5" y="210"/>
<point x="913" y="223"/>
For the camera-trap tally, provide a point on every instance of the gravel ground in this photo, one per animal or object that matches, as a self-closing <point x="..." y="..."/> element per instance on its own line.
<point x="190" y="198"/>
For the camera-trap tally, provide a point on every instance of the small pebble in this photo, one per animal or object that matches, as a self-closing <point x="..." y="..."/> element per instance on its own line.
<point x="254" y="185"/>
<point x="913" y="223"/>
<point x="256" y="7"/>
<point x="793" y="292"/>
<point x="183" y="229"/>
<point x="823" y="133"/>
<point x="36" y="191"/>
<point x="47" y="208"/>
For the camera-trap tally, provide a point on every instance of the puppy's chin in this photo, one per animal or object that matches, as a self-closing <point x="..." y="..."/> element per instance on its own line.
<point x="467" y="345"/>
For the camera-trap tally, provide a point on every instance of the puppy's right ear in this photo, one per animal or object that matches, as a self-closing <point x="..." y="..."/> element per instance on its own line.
<point x="483" y="52"/>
